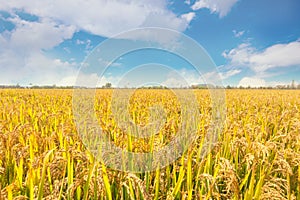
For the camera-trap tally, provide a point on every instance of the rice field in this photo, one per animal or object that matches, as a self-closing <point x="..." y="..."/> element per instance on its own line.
<point x="257" y="155"/>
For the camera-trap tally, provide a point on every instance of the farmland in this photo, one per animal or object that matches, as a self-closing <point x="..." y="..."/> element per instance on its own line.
<point x="257" y="155"/>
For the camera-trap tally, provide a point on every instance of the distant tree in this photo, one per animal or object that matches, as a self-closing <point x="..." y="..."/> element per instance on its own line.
<point x="107" y="85"/>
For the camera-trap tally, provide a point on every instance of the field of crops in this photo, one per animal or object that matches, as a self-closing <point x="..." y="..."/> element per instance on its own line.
<point x="257" y="155"/>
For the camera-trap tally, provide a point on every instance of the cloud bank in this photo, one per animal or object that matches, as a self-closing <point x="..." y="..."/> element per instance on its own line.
<point x="263" y="62"/>
<point x="102" y="17"/>
<point x="221" y="7"/>
<point x="22" y="49"/>
<point x="260" y="61"/>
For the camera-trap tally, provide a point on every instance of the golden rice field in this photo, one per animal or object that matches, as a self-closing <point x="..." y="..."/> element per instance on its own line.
<point x="257" y="155"/>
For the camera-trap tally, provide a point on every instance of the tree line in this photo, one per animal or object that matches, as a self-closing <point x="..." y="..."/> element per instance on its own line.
<point x="293" y="85"/>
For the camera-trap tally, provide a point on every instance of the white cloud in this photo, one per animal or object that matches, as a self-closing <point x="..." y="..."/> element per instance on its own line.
<point x="173" y="82"/>
<point x="222" y="7"/>
<point x="36" y="68"/>
<point x="239" y="55"/>
<point x="238" y="34"/>
<point x="279" y="55"/>
<point x="188" y="16"/>
<point x="188" y="2"/>
<point x="280" y="83"/>
<point x="260" y="82"/>
<point x="181" y="78"/>
<point x="109" y="63"/>
<point x="265" y="63"/>
<point x="230" y="73"/>
<point x="22" y="59"/>
<point x="22" y="56"/>
<point x="252" y="81"/>
<point x="192" y="77"/>
<point x="102" y="17"/>
<point x="185" y="78"/>
<point x="88" y="80"/>
<point x="34" y="36"/>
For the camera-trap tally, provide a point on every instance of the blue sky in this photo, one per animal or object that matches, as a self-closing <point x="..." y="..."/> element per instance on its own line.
<point x="252" y="42"/>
